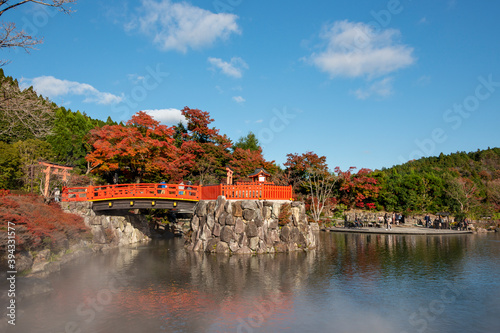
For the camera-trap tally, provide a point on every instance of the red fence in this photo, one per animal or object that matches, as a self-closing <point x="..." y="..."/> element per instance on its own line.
<point x="179" y="192"/>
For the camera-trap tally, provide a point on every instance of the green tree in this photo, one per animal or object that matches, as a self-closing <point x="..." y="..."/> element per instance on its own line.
<point x="30" y="152"/>
<point x="10" y="173"/>
<point x="67" y="138"/>
<point x="249" y="142"/>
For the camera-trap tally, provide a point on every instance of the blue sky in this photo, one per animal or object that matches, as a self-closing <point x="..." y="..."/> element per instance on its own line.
<point x="365" y="83"/>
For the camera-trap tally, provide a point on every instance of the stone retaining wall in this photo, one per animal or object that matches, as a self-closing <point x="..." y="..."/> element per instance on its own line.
<point x="249" y="226"/>
<point x="111" y="229"/>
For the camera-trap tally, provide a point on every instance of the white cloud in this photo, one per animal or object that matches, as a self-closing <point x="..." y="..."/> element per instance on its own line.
<point x="234" y="68"/>
<point x="135" y="78"/>
<point x="180" y="26"/>
<point x="356" y="50"/>
<point x="423" y="20"/>
<point x="167" y="116"/>
<point x="238" y="99"/>
<point x="51" y="87"/>
<point x="382" y="88"/>
<point x="424" y="80"/>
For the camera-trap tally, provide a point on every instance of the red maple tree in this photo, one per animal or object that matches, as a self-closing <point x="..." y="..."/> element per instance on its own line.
<point x="357" y="189"/>
<point x="141" y="150"/>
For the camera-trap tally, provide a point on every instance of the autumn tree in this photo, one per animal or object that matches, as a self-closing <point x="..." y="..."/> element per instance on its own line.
<point x="463" y="191"/>
<point x="297" y="167"/>
<point x="211" y="150"/>
<point x="320" y="184"/>
<point x="11" y="36"/>
<point x="142" y="150"/>
<point x="246" y="161"/>
<point x="357" y="189"/>
<point x="309" y="172"/>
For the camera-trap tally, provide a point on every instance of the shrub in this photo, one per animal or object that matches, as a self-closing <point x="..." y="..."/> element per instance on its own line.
<point x="39" y="225"/>
<point x="285" y="214"/>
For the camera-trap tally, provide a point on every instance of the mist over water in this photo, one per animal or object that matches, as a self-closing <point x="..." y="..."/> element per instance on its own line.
<point x="352" y="283"/>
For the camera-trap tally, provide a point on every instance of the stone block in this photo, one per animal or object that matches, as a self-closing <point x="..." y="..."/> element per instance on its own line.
<point x="249" y="204"/>
<point x="228" y="208"/>
<point x="258" y="221"/>
<point x="230" y="219"/>
<point x="251" y="230"/>
<point x="266" y="212"/>
<point x="273" y="224"/>
<point x="243" y="241"/>
<point x="237" y="210"/>
<point x="210" y="222"/>
<point x="222" y="247"/>
<point x="253" y="243"/>
<point x="227" y="234"/>
<point x="222" y="218"/>
<point x="212" y="245"/>
<point x="239" y="226"/>
<point x="248" y="214"/>
<point x="195" y="223"/>
<point x="234" y="246"/>
<point x="285" y="234"/>
<point x="216" y="230"/>
<point x="201" y="208"/>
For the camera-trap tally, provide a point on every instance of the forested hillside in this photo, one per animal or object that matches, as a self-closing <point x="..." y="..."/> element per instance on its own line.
<point x="463" y="183"/>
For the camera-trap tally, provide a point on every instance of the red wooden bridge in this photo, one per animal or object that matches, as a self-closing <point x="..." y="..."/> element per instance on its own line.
<point x="170" y="196"/>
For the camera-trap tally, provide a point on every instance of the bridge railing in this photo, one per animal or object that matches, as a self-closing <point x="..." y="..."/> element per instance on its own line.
<point x="74" y="194"/>
<point x="176" y="191"/>
<point x="257" y="191"/>
<point x="247" y="191"/>
<point x="126" y="191"/>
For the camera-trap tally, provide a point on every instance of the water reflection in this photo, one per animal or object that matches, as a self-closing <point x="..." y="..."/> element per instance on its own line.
<point x="353" y="282"/>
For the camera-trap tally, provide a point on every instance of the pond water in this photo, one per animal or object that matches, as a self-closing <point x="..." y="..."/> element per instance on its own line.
<point x="352" y="283"/>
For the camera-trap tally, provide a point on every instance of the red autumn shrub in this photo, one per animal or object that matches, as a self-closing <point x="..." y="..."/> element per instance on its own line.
<point x="38" y="225"/>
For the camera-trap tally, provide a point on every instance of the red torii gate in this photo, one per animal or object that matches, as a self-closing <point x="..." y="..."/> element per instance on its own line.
<point x="55" y="170"/>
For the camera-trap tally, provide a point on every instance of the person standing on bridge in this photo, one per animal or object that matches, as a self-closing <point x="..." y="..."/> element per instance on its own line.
<point x="181" y="188"/>
<point x="162" y="187"/>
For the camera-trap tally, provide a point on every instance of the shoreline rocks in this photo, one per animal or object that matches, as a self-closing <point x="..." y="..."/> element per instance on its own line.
<point x="108" y="232"/>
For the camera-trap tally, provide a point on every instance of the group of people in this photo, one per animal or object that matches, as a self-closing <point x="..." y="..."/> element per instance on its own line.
<point x="395" y="218"/>
<point x="440" y="223"/>
<point x="181" y="187"/>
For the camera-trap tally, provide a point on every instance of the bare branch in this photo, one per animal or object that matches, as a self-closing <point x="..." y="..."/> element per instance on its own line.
<point x="60" y="4"/>
<point x="320" y="184"/>
<point x="9" y="37"/>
